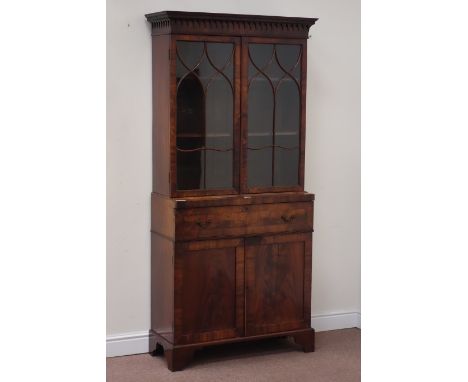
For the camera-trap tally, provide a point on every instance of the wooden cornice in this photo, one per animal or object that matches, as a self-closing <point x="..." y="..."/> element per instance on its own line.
<point x="174" y="22"/>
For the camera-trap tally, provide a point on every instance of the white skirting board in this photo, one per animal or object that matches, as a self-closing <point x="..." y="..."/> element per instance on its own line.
<point x="322" y="323"/>
<point x="141" y="342"/>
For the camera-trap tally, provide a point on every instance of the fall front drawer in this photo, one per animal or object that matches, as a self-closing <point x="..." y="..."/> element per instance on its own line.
<point x="231" y="216"/>
<point x="246" y="220"/>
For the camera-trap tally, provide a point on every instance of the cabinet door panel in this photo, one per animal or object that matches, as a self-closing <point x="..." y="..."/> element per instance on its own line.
<point x="209" y="282"/>
<point x="273" y="118"/>
<point x="278" y="283"/>
<point x="207" y="114"/>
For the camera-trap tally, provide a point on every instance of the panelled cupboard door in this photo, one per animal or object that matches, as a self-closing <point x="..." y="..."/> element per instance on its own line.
<point x="209" y="290"/>
<point x="278" y="283"/>
<point x="206" y="89"/>
<point x="273" y="92"/>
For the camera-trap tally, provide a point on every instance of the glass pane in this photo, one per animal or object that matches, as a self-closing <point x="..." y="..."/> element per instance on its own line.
<point x="190" y="107"/>
<point x="205" y="72"/>
<point x="189" y="168"/>
<point x="219" y="169"/>
<point x="260" y="56"/>
<point x="287" y="134"/>
<point x="287" y="109"/>
<point x="288" y="56"/>
<point x="274" y="72"/>
<point x="260" y="115"/>
<point x="181" y="71"/>
<point x="296" y="73"/>
<point x="220" y="53"/>
<point x="219" y="109"/>
<point x="219" y="134"/>
<point x="259" y="167"/>
<point x="189" y="53"/>
<point x="229" y="71"/>
<point x="286" y="167"/>
<point x="273" y="89"/>
<point x="260" y="133"/>
<point x="205" y="112"/>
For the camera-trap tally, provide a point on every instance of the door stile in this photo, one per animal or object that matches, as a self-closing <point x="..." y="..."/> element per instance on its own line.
<point x="243" y="120"/>
<point x="240" y="291"/>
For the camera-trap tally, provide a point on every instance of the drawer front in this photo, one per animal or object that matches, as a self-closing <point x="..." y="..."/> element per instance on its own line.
<point x="250" y="220"/>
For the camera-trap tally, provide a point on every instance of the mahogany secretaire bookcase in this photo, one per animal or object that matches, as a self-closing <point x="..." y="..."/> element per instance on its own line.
<point x="231" y="225"/>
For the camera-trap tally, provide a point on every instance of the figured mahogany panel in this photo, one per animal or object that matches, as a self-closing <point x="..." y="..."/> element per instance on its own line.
<point x="208" y="291"/>
<point x="276" y="280"/>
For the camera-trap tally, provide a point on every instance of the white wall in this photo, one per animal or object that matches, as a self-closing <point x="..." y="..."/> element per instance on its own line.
<point x="332" y="150"/>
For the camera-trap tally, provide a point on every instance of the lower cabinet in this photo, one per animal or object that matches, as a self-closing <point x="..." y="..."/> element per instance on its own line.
<point x="241" y="287"/>
<point x="209" y="292"/>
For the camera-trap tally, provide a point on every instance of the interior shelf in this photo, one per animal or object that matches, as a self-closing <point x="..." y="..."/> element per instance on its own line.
<point x="205" y="80"/>
<point x="271" y="147"/>
<point x="222" y="135"/>
<point x="214" y="135"/>
<point x="277" y="133"/>
<point x="204" y="148"/>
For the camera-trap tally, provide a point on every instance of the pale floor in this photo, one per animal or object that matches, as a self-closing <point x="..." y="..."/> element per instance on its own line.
<point x="337" y="358"/>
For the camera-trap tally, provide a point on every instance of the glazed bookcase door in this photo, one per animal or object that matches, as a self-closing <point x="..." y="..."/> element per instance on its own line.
<point x="277" y="276"/>
<point x="206" y="94"/>
<point x="273" y="114"/>
<point x="209" y="290"/>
